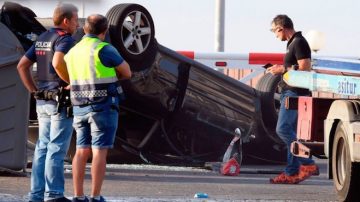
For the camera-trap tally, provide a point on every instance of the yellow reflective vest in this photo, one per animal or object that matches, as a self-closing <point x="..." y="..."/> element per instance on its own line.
<point x="89" y="78"/>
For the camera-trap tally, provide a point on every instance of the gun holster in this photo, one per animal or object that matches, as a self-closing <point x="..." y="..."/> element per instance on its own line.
<point x="60" y="95"/>
<point x="63" y="100"/>
<point x="46" y="94"/>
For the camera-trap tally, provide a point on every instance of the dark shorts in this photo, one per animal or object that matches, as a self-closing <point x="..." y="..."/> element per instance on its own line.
<point x="96" y="129"/>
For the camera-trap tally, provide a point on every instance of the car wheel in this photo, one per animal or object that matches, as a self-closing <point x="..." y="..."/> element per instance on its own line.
<point x="132" y="32"/>
<point x="269" y="95"/>
<point x="345" y="172"/>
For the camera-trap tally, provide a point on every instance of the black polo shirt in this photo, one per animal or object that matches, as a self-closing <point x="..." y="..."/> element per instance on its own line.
<point x="297" y="48"/>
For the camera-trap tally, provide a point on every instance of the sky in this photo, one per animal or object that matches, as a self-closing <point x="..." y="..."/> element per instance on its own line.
<point x="189" y="24"/>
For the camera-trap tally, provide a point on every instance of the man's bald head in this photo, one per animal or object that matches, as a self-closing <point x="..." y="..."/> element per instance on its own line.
<point x="95" y="24"/>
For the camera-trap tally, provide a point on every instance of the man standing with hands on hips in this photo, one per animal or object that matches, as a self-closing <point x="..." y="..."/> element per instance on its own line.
<point x="297" y="57"/>
<point x="55" y="124"/>
<point x="94" y="68"/>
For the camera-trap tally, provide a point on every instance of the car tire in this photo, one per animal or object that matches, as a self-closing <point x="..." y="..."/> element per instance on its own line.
<point x="132" y="33"/>
<point x="269" y="94"/>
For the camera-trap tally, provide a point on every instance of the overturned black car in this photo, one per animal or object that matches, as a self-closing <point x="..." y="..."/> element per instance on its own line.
<point x="177" y="111"/>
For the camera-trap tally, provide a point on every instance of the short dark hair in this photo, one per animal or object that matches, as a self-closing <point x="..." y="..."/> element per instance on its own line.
<point x="96" y="24"/>
<point x="63" y="11"/>
<point x="283" y="21"/>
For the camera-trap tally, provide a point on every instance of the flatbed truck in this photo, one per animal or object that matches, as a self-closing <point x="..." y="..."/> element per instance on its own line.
<point x="330" y="127"/>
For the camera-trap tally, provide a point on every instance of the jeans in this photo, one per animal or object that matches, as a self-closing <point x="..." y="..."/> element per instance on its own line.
<point x="55" y="130"/>
<point x="286" y="130"/>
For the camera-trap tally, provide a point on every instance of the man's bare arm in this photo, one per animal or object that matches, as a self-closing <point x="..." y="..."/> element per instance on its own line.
<point x="24" y="69"/>
<point x="304" y="64"/>
<point x="60" y="66"/>
<point x="123" y="71"/>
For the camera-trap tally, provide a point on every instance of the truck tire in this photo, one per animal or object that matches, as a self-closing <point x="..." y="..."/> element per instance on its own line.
<point x="269" y="94"/>
<point x="132" y="32"/>
<point x="345" y="173"/>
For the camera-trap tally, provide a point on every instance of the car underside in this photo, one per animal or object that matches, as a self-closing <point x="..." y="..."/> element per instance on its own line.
<point x="177" y="111"/>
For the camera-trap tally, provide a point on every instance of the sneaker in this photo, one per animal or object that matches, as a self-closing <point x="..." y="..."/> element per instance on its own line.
<point x="303" y="175"/>
<point x="313" y="169"/>
<point x="285" y="179"/>
<point x="75" y="199"/>
<point x="97" y="200"/>
<point x="62" y="199"/>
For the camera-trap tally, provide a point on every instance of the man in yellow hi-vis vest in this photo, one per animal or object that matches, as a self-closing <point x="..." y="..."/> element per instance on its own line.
<point x="94" y="68"/>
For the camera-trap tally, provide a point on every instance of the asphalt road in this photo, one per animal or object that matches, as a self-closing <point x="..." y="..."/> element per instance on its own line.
<point x="161" y="183"/>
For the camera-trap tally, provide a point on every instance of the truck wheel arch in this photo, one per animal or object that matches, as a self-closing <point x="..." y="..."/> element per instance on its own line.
<point x="346" y="111"/>
<point x="327" y="148"/>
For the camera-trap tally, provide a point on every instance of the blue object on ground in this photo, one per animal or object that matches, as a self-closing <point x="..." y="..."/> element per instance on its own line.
<point x="201" y="195"/>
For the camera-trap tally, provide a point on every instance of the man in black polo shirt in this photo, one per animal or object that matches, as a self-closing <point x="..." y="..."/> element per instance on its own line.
<point x="297" y="57"/>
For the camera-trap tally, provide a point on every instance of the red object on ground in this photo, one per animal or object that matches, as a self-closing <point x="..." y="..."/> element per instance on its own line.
<point x="230" y="168"/>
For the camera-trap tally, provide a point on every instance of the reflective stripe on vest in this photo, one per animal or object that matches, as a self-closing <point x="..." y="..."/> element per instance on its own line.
<point x="93" y="93"/>
<point x="89" y="78"/>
